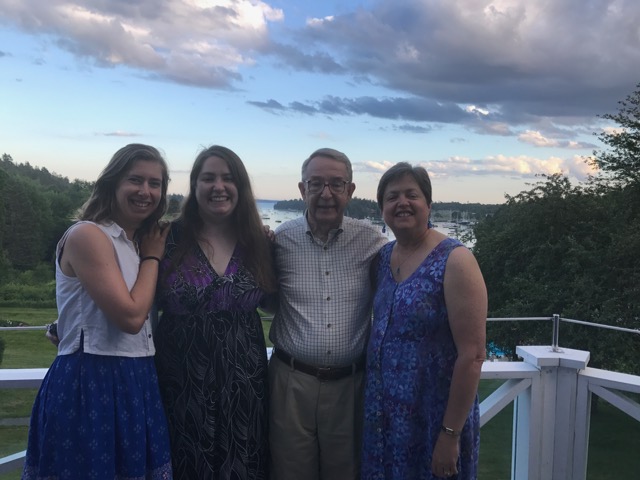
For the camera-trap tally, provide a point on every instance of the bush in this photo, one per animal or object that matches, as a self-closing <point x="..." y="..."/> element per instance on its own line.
<point x="33" y="296"/>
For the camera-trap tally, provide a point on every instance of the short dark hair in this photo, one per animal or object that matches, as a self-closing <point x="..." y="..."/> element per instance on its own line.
<point x="399" y="170"/>
<point x="329" y="153"/>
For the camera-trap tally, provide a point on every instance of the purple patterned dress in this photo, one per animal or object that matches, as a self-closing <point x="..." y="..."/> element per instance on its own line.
<point x="410" y="361"/>
<point x="212" y="368"/>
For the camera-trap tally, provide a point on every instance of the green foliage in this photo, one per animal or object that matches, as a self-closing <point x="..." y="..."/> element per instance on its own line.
<point x="295" y="205"/>
<point x="28" y="295"/>
<point x="36" y="207"/>
<point x="622" y="162"/>
<point x="456" y="211"/>
<point x="28" y="225"/>
<point x="563" y="249"/>
<point x="174" y="204"/>
<point x="362" y="208"/>
<point x="357" y="207"/>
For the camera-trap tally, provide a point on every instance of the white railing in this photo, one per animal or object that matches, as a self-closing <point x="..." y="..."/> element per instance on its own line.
<point x="551" y="389"/>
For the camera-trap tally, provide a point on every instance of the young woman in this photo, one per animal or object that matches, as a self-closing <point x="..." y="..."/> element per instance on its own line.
<point x="211" y="357"/>
<point x="98" y="413"/>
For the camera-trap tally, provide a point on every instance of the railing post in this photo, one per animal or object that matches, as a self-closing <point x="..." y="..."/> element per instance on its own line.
<point x="556" y="333"/>
<point x="556" y="415"/>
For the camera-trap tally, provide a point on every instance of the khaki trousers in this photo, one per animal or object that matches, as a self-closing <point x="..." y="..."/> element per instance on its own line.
<point x="315" y="428"/>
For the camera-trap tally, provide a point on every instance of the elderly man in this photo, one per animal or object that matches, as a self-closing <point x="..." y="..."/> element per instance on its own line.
<point x="321" y="327"/>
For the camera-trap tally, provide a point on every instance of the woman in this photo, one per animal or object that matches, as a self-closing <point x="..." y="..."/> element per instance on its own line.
<point x="98" y="413"/>
<point x="211" y="353"/>
<point x="427" y="343"/>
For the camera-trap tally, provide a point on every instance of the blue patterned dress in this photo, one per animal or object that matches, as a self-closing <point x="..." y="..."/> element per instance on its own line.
<point x="98" y="416"/>
<point x="212" y="367"/>
<point x="410" y="361"/>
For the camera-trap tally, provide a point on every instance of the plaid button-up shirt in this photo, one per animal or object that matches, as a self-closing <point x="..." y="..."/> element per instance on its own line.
<point x="325" y="291"/>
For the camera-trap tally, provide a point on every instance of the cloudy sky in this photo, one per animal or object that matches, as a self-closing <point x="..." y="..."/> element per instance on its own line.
<point x="484" y="94"/>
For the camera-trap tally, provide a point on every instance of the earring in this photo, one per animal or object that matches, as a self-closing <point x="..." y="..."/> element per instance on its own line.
<point x="384" y="228"/>
<point x="429" y="224"/>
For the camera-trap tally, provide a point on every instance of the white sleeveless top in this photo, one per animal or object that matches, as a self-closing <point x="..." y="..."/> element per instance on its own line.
<point x="79" y="315"/>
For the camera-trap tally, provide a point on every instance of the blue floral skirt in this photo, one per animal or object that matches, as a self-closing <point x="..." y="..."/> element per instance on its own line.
<point x="98" y="417"/>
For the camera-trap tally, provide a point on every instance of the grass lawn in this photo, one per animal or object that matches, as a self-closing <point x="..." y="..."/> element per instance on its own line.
<point x="495" y="438"/>
<point x="614" y="438"/>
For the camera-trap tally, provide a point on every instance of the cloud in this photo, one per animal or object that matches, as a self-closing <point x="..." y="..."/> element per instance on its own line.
<point x="409" y="109"/>
<point x="413" y="128"/>
<point x="194" y="42"/>
<point x="118" y="133"/>
<point x="373" y="167"/>
<point x="516" y="63"/>
<point x="496" y="67"/>
<point x="519" y="166"/>
<point x="538" y="140"/>
<point x="270" y="105"/>
<point x="613" y="130"/>
<point x="534" y="55"/>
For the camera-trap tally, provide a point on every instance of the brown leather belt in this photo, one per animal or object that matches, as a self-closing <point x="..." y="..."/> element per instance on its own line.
<point x="321" y="373"/>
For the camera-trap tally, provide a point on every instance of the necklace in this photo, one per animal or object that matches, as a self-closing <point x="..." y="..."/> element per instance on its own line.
<point x="413" y="251"/>
<point x="405" y="259"/>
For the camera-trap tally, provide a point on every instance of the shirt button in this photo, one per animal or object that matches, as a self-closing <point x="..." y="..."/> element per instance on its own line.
<point x="149" y="335"/>
<point x="328" y="298"/>
<point x="326" y="273"/>
<point x="328" y="352"/>
<point x="329" y="325"/>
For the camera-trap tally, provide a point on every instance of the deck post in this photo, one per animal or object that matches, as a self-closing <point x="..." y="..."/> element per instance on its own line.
<point x="551" y="446"/>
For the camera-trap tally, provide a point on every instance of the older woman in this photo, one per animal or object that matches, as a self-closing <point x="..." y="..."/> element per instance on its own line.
<point x="427" y="343"/>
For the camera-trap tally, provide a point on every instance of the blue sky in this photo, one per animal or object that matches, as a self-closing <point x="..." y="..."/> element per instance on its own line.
<point x="484" y="94"/>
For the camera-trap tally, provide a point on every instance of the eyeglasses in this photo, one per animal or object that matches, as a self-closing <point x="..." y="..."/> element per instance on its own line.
<point x="317" y="186"/>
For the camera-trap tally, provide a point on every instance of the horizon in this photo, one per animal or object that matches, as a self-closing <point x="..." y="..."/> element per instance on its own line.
<point x="484" y="95"/>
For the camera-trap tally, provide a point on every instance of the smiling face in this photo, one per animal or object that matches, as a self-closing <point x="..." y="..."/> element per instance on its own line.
<point x="138" y="193"/>
<point x="325" y="209"/>
<point x="404" y="206"/>
<point x="216" y="191"/>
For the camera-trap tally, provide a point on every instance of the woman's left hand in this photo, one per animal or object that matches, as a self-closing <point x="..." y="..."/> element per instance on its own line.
<point x="152" y="242"/>
<point x="445" y="456"/>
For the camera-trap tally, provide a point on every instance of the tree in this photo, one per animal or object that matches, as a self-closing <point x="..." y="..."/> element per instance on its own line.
<point x="564" y="249"/>
<point x="623" y="160"/>
<point x="174" y="204"/>
<point x="28" y="222"/>
<point x="36" y="206"/>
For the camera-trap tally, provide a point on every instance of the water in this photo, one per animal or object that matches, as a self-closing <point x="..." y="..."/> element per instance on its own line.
<point x="273" y="218"/>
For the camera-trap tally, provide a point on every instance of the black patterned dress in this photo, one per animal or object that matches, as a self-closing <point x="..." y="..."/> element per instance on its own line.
<point x="212" y="368"/>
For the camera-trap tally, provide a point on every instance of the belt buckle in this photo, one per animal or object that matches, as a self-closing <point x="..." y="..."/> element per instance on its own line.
<point x="323" y="373"/>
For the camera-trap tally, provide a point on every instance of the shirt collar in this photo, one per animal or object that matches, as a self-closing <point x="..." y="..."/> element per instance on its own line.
<point x="333" y="233"/>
